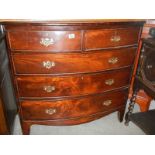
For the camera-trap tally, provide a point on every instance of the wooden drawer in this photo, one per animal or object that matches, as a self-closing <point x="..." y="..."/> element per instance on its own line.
<point x="106" y="38"/>
<point x="45" y="40"/>
<point x="56" y="86"/>
<point x="71" y="108"/>
<point x="73" y="62"/>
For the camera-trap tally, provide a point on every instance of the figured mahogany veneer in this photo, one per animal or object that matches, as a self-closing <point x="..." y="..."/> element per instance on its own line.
<point x="73" y="63"/>
<point x="34" y="86"/>
<point x="97" y="40"/>
<point x="72" y="108"/>
<point x="31" y="40"/>
<point x="67" y="73"/>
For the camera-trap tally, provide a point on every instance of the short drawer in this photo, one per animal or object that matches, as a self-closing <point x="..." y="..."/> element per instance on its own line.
<point x="73" y="62"/>
<point x="45" y="40"/>
<point x="71" y="108"/>
<point x="107" y="38"/>
<point x="60" y="86"/>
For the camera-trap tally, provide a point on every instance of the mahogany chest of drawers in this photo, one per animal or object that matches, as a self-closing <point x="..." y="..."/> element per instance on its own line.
<point x="71" y="72"/>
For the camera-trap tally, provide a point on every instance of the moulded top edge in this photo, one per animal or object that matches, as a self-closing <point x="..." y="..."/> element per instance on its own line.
<point x="69" y="21"/>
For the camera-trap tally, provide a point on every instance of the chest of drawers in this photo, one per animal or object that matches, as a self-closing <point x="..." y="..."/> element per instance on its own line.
<point x="71" y="72"/>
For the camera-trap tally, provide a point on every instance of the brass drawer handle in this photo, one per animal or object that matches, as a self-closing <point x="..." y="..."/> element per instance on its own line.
<point x="109" y="82"/>
<point x="49" y="89"/>
<point x="107" y="102"/>
<point x="115" y="38"/>
<point x="113" y="60"/>
<point x="50" y="111"/>
<point x="48" y="64"/>
<point x="47" y="41"/>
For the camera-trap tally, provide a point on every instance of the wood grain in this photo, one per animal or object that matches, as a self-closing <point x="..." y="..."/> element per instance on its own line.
<point x="73" y="62"/>
<point x="71" y="108"/>
<point x="34" y="86"/>
<point x="72" y="59"/>
<point x="98" y="39"/>
<point x="31" y="40"/>
<point x="26" y="124"/>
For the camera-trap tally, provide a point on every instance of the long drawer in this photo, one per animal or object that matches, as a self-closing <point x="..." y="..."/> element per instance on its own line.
<point x="45" y="40"/>
<point x="58" y="86"/>
<point x="105" y="38"/>
<point x="71" y="108"/>
<point x="73" y="62"/>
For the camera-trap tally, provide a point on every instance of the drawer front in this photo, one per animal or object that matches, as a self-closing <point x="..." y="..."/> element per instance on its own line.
<point x="56" y="86"/>
<point x="98" y="39"/>
<point x="73" y="63"/>
<point x="45" y="40"/>
<point x="71" y="108"/>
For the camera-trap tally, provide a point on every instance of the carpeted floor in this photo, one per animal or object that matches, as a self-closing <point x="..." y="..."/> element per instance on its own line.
<point x="108" y="125"/>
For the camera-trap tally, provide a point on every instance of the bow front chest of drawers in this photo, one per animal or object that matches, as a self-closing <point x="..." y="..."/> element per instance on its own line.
<point x="71" y="72"/>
